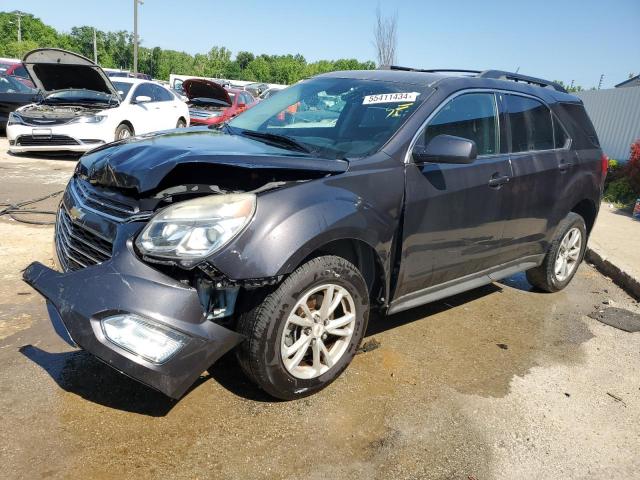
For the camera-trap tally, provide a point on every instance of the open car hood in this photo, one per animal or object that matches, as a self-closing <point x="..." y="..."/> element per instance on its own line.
<point x="198" y="88"/>
<point x="54" y="69"/>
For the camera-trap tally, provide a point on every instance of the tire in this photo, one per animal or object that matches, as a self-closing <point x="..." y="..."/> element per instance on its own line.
<point x="123" y="131"/>
<point x="181" y="123"/>
<point x="548" y="277"/>
<point x="269" y="333"/>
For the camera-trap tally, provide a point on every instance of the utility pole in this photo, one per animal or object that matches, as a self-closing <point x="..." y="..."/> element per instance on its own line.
<point x="135" y="34"/>
<point x="95" y="47"/>
<point x="600" y="82"/>
<point x="19" y="16"/>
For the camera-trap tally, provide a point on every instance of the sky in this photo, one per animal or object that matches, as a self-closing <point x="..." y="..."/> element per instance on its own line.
<point x="558" y="40"/>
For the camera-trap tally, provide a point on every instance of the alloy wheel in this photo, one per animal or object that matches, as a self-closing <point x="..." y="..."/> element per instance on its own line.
<point x="568" y="255"/>
<point x="318" y="331"/>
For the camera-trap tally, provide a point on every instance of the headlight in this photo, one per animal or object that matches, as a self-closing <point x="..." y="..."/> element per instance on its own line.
<point x="89" y="119"/>
<point x="14" y="119"/>
<point x="191" y="230"/>
<point x="151" y="341"/>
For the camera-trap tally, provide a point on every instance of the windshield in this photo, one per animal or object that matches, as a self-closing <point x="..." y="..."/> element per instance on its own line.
<point x="335" y="117"/>
<point x="78" y="96"/>
<point x="122" y="88"/>
<point x="11" y="85"/>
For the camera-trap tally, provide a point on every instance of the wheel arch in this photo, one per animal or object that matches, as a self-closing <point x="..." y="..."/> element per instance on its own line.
<point x="587" y="209"/>
<point x="363" y="256"/>
<point x="128" y="124"/>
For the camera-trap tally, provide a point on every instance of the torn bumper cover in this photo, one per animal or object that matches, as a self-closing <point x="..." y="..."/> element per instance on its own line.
<point x="122" y="285"/>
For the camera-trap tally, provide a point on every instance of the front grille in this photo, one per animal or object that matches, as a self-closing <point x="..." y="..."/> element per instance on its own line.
<point x="76" y="246"/>
<point x="45" y="122"/>
<point x="109" y="207"/>
<point x="39" y="141"/>
<point x="201" y="114"/>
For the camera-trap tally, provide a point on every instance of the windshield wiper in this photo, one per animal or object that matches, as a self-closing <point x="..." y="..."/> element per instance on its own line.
<point x="282" y="140"/>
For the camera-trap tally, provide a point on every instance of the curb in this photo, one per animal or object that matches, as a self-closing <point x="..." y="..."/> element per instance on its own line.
<point x="618" y="273"/>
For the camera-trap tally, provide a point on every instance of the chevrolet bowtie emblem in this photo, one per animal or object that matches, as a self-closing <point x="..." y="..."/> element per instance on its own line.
<point x="76" y="214"/>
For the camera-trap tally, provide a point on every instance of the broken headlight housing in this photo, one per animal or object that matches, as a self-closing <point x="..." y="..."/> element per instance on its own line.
<point x="190" y="231"/>
<point x="149" y="340"/>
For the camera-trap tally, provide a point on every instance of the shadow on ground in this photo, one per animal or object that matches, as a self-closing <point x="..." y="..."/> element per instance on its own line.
<point x="503" y="346"/>
<point x="84" y="375"/>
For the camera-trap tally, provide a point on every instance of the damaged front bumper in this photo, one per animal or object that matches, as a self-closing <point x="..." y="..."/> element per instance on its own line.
<point x="79" y="301"/>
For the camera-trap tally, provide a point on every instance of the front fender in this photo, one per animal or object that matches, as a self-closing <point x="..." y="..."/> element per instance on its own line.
<point x="293" y="222"/>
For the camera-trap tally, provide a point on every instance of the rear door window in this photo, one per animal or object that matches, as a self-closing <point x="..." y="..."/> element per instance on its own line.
<point x="560" y="136"/>
<point x="530" y="121"/>
<point x="473" y="116"/>
<point x="161" y="94"/>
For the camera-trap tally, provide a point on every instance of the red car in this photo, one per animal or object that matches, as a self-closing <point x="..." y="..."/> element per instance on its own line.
<point x="211" y="103"/>
<point x="17" y="71"/>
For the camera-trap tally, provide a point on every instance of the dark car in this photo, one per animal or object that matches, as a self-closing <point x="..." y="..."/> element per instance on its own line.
<point x="277" y="236"/>
<point x="13" y="94"/>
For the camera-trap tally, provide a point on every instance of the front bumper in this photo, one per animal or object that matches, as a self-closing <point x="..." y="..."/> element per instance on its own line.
<point x="76" y="137"/>
<point x="78" y="300"/>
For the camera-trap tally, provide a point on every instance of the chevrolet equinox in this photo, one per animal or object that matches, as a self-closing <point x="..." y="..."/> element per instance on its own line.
<point x="275" y="233"/>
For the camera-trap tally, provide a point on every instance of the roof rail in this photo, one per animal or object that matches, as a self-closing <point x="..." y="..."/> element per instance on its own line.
<point x="516" y="77"/>
<point x="494" y="74"/>
<point x="434" y="70"/>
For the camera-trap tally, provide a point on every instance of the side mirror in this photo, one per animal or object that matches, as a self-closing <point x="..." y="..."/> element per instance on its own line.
<point x="142" y="99"/>
<point x="446" y="149"/>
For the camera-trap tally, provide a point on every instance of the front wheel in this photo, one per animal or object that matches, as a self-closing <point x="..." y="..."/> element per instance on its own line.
<point x="301" y="336"/>
<point x="564" y="255"/>
<point x="123" y="131"/>
<point x="181" y="123"/>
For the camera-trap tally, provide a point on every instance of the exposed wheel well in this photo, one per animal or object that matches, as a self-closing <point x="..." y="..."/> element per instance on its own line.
<point x="128" y="124"/>
<point x="587" y="210"/>
<point x="364" y="257"/>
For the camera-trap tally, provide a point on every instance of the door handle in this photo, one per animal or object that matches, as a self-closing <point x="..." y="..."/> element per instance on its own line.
<point x="564" y="166"/>
<point x="497" y="181"/>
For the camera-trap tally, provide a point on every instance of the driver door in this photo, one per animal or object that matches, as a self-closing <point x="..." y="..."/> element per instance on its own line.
<point x="454" y="213"/>
<point x="146" y="116"/>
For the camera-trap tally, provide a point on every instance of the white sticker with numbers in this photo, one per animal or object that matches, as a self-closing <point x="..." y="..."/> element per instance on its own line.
<point x="390" y="98"/>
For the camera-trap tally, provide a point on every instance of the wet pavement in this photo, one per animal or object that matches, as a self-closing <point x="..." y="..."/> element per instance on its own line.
<point x="499" y="383"/>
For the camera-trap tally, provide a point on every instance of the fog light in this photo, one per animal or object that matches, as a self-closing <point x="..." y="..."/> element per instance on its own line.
<point x="153" y="342"/>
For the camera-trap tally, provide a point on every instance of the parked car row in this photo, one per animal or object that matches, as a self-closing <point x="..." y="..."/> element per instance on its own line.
<point x="77" y="106"/>
<point x="14" y="68"/>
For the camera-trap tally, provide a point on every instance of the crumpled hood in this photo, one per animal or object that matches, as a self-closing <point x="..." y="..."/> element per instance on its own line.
<point x="53" y="69"/>
<point x="198" y="88"/>
<point x="142" y="163"/>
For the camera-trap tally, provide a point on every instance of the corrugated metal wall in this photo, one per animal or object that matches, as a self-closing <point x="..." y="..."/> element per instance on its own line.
<point x="615" y="114"/>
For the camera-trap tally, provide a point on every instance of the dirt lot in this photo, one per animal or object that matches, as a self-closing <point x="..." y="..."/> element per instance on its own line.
<point x="498" y="383"/>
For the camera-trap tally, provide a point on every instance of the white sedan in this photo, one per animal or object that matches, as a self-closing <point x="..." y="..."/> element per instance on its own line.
<point x="81" y="108"/>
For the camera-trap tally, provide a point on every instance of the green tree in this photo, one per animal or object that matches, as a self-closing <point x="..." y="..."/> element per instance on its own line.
<point x="244" y="59"/>
<point x="115" y="50"/>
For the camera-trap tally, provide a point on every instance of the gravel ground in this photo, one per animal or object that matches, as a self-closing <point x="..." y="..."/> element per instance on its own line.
<point x="498" y="383"/>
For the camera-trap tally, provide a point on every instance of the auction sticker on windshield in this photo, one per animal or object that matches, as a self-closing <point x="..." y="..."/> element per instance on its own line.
<point x="390" y="98"/>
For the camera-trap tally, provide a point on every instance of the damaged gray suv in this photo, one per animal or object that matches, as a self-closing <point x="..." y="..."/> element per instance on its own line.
<point x="276" y="233"/>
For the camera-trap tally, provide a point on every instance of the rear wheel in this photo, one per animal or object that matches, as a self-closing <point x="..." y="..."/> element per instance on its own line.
<point x="302" y="335"/>
<point x="564" y="255"/>
<point x="123" y="131"/>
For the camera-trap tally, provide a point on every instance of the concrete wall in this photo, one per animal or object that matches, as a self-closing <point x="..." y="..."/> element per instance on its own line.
<point x="615" y="114"/>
